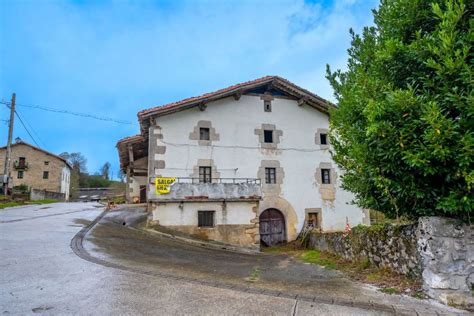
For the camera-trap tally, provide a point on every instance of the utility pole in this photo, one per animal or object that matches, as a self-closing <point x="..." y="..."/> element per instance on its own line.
<point x="6" y="170"/>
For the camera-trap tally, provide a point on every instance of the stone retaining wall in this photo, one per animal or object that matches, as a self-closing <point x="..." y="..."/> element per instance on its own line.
<point x="36" y="195"/>
<point x="439" y="250"/>
<point x="390" y="246"/>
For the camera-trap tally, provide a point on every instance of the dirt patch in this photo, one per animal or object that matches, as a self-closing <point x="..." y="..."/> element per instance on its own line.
<point x="388" y="281"/>
<point x="81" y="221"/>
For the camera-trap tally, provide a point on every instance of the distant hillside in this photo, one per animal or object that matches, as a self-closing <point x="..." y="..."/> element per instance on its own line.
<point x="97" y="181"/>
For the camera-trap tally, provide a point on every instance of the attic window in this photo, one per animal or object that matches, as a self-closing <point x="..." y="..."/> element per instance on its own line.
<point x="204" y="133"/>
<point x="267" y="136"/>
<point x="323" y="138"/>
<point x="267" y="105"/>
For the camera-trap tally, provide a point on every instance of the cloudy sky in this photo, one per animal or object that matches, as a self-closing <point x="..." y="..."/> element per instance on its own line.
<point x="114" y="58"/>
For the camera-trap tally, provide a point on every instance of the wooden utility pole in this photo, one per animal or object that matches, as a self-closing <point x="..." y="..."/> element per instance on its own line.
<point x="6" y="170"/>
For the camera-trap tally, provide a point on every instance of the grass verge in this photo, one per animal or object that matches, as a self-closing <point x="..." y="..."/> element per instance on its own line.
<point x="19" y="203"/>
<point x="388" y="281"/>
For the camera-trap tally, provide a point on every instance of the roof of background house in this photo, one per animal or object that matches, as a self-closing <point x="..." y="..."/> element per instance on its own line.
<point x="21" y="142"/>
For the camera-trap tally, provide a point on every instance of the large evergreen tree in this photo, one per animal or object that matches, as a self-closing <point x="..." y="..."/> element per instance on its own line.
<point x="403" y="131"/>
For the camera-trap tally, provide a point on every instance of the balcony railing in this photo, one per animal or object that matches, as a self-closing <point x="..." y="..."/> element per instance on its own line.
<point x="20" y="165"/>
<point x="219" y="189"/>
<point x="218" y="180"/>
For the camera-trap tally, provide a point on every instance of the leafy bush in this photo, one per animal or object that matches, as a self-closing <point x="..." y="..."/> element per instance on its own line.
<point x="21" y="188"/>
<point x="404" y="128"/>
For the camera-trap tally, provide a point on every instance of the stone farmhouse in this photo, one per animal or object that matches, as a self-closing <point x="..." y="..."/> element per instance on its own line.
<point x="37" y="168"/>
<point x="246" y="165"/>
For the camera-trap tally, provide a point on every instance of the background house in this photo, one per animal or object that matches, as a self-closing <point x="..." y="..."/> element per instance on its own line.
<point x="37" y="168"/>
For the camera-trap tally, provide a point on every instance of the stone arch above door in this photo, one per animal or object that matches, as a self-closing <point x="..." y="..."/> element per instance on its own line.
<point x="286" y="209"/>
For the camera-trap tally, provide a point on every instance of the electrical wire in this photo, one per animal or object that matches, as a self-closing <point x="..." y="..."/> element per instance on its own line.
<point x="22" y="123"/>
<point x="244" y="147"/>
<point x="44" y="108"/>
<point x="34" y="132"/>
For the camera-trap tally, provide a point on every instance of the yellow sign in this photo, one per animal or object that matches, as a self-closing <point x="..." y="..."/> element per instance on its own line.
<point x="163" y="185"/>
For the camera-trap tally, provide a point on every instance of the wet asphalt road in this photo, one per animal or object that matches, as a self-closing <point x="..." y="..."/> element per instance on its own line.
<point x="149" y="274"/>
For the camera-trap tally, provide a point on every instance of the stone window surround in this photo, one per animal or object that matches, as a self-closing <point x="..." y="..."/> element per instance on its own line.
<point x="195" y="134"/>
<point x="276" y="136"/>
<point x="206" y="163"/>
<point x="328" y="191"/>
<point x="317" y="138"/>
<point x="271" y="188"/>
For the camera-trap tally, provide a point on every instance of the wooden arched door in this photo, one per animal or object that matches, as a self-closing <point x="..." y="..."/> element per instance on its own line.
<point x="272" y="227"/>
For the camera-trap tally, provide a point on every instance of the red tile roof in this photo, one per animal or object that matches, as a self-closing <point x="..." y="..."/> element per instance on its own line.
<point x="204" y="96"/>
<point x="131" y="139"/>
<point x="229" y="90"/>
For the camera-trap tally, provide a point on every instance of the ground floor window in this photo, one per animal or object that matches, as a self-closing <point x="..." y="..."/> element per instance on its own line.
<point x="20" y="174"/>
<point x="45" y="174"/>
<point x="206" y="218"/>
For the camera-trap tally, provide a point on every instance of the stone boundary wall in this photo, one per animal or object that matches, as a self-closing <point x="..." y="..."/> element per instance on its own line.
<point x="439" y="250"/>
<point x="390" y="246"/>
<point x="36" y="195"/>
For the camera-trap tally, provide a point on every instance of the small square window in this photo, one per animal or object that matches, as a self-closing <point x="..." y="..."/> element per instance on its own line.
<point x="206" y="218"/>
<point x="326" y="176"/>
<point x="205" y="174"/>
<point x="267" y="105"/>
<point x="270" y="175"/>
<point x="204" y="133"/>
<point x="45" y="174"/>
<point x="268" y="136"/>
<point x="20" y="174"/>
<point x="46" y="163"/>
<point x="323" y="138"/>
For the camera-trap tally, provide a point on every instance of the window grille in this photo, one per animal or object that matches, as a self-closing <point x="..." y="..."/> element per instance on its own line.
<point x="206" y="218"/>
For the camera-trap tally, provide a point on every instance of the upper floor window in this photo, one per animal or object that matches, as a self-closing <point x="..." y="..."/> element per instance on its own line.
<point x="270" y="175"/>
<point x="46" y="163"/>
<point x="204" y="133"/>
<point x="326" y="176"/>
<point x="45" y="174"/>
<point x="323" y="139"/>
<point x="205" y="174"/>
<point x="267" y="136"/>
<point x="20" y="174"/>
<point x="21" y="161"/>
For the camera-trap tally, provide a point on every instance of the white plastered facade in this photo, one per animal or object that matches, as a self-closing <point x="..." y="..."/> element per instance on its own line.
<point x="238" y="153"/>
